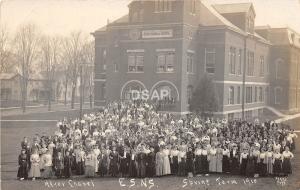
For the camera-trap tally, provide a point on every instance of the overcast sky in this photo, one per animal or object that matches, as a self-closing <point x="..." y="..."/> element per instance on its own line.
<point x="64" y="16"/>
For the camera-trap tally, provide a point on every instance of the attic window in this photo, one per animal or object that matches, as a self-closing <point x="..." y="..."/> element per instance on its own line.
<point x="163" y="6"/>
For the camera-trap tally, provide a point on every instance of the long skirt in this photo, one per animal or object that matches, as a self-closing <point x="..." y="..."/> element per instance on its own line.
<point x="286" y="166"/>
<point x="47" y="173"/>
<point x="250" y="168"/>
<point x="174" y="165"/>
<point x="79" y="168"/>
<point x="219" y="164"/>
<point x="159" y="168"/>
<point x="132" y="168"/>
<point x="34" y="171"/>
<point x="226" y="164"/>
<point x="243" y="166"/>
<point x="198" y="165"/>
<point x="23" y="172"/>
<point x="67" y="171"/>
<point x="235" y="166"/>
<point x="204" y="164"/>
<point x="190" y="166"/>
<point x="181" y="168"/>
<point x="89" y="171"/>
<point x="269" y="166"/>
<point x="262" y="169"/>
<point x="124" y="167"/>
<point x="277" y="167"/>
<point x="166" y="166"/>
<point x="213" y="164"/>
<point x="150" y="170"/>
<point x="256" y="165"/>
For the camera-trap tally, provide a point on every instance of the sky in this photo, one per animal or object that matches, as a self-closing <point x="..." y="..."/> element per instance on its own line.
<point x="64" y="16"/>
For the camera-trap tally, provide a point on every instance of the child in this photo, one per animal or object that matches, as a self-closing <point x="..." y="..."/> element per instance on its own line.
<point x="23" y="165"/>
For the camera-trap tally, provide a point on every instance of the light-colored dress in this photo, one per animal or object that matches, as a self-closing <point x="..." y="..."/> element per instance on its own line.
<point x="219" y="156"/>
<point x="96" y="152"/>
<point x="212" y="160"/>
<point x="159" y="161"/>
<point x="166" y="162"/>
<point x="35" y="166"/>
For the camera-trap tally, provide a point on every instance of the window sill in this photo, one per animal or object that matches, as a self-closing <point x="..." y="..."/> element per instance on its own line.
<point x="164" y="72"/>
<point x="135" y="72"/>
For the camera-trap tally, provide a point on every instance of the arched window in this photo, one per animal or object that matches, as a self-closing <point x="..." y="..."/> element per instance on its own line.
<point x="279" y="68"/>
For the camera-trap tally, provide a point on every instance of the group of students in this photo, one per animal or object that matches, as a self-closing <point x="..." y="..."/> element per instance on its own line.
<point x="132" y="139"/>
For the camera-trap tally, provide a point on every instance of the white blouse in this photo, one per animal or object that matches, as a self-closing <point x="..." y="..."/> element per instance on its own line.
<point x="287" y="154"/>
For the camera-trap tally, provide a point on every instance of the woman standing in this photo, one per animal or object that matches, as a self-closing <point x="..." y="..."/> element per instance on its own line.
<point x="166" y="161"/>
<point x="269" y="161"/>
<point x="159" y="162"/>
<point x="250" y="169"/>
<point x="219" y="157"/>
<point x="124" y="163"/>
<point x="68" y="162"/>
<point x="90" y="163"/>
<point x="47" y="163"/>
<point x="103" y="163"/>
<point x="132" y="164"/>
<point x="286" y="164"/>
<point x="262" y="163"/>
<point x="114" y="160"/>
<point x="190" y="162"/>
<point x="243" y="162"/>
<point x="174" y="159"/>
<point x="226" y="160"/>
<point x="234" y="156"/>
<point x="256" y="154"/>
<point x="181" y="162"/>
<point x="59" y="165"/>
<point x="198" y="153"/>
<point x="204" y="161"/>
<point x="151" y="163"/>
<point x="277" y="169"/>
<point x="34" y="171"/>
<point x="96" y="152"/>
<point x="23" y="165"/>
<point x="212" y="158"/>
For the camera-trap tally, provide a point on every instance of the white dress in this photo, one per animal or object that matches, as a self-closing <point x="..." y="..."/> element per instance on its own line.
<point x="166" y="162"/>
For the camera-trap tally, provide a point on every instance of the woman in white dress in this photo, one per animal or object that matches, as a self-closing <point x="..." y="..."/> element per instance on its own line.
<point x="166" y="161"/>
<point x="34" y="171"/>
<point x="286" y="164"/>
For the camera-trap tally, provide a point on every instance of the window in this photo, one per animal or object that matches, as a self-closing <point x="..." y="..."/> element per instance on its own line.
<point x="102" y="92"/>
<point x="190" y="63"/>
<point x="261" y="66"/>
<point x="248" y="94"/>
<point x="255" y="94"/>
<point x="210" y="60"/>
<point x="250" y="64"/>
<point x="232" y="60"/>
<point x="104" y="59"/>
<point x="135" y="63"/>
<point x="248" y="115"/>
<point x="193" y="7"/>
<point x="278" y="94"/>
<point x="231" y="96"/>
<point x="163" y="6"/>
<point x="239" y="66"/>
<point x="260" y="94"/>
<point x="165" y="62"/>
<point x="116" y="67"/>
<point x="238" y="95"/>
<point x="278" y="68"/>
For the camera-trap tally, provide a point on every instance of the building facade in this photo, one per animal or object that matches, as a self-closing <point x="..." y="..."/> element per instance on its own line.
<point x="170" y="45"/>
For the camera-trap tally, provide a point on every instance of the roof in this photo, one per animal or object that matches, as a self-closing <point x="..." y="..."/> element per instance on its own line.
<point x="284" y="36"/>
<point x="234" y="8"/>
<point x="218" y="19"/>
<point x="7" y="76"/>
<point x="123" y="19"/>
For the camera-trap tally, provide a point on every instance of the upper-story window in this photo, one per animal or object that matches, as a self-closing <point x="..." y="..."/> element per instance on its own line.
<point x="261" y="66"/>
<point x="163" y="6"/>
<point x="135" y="62"/>
<point x="250" y="64"/>
<point x="165" y="62"/>
<point x="239" y="65"/>
<point x="210" y="60"/>
<point x="278" y="68"/>
<point x="190" y="63"/>
<point x="231" y="95"/>
<point x="193" y="7"/>
<point x="232" y="60"/>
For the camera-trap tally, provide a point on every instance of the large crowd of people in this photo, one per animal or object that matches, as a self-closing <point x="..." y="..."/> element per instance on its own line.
<point x="132" y="139"/>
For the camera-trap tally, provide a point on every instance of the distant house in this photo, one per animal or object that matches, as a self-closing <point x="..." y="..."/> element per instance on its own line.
<point x="10" y="86"/>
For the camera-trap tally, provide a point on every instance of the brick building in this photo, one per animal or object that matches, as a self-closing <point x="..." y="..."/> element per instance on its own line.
<point x="171" y="45"/>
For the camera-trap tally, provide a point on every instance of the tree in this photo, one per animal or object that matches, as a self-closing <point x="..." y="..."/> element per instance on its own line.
<point x="72" y="50"/>
<point x="88" y="53"/>
<point x="26" y="47"/>
<point x="204" y="99"/>
<point x="50" y="49"/>
<point x="7" y="62"/>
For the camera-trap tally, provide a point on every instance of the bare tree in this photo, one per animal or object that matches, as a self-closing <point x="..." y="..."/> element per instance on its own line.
<point x="6" y="55"/>
<point x="88" y="53"/>
<point x="72" y="49"/>
<point x="26" y="46"/>
<point x="49" y="48"/>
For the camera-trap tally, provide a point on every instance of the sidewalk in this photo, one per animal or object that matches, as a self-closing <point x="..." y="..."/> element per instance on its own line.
<point x="41" y="109"/>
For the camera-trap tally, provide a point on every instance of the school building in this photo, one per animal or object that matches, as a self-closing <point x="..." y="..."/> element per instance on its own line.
<point x="171" y="44"/>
